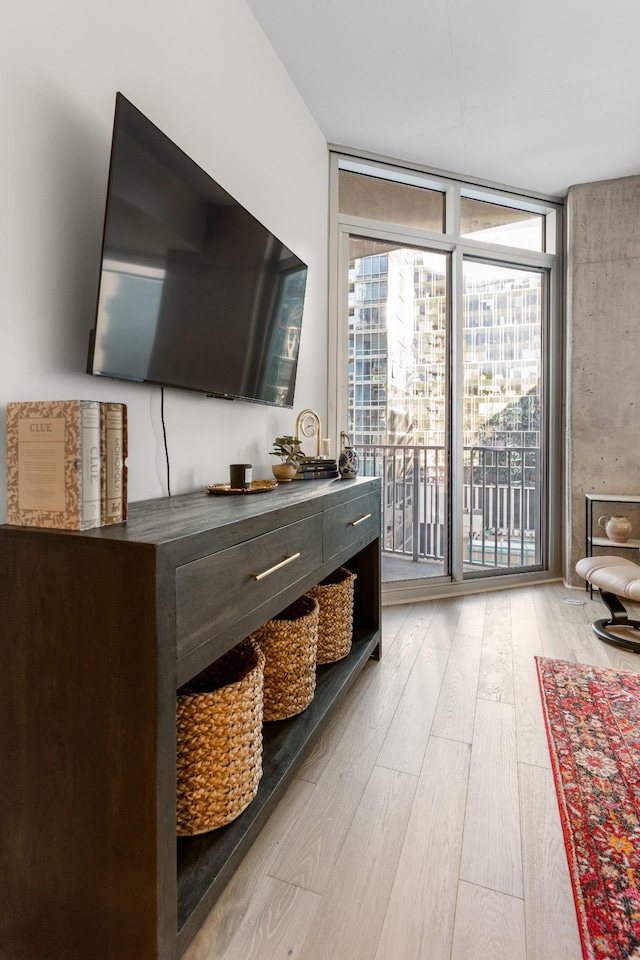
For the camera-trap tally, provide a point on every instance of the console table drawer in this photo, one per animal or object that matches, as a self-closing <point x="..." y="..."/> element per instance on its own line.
<point x="211" y="592"/>
<point x="349" y="522"/>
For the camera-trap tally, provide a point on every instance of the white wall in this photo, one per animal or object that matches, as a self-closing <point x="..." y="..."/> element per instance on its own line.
<point x="204" y="73"/>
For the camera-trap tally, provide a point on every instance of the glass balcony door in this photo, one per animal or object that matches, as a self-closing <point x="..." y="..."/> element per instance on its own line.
<point x="398" y="397"/>
<point x="401" y="391"/>
<point x="503" y="436"/>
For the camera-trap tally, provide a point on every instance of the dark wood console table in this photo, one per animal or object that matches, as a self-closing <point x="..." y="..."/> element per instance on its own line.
<point x="97" y="632"/>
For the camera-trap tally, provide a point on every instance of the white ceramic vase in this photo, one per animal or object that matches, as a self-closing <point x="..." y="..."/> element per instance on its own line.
<point x="617" y="528"/>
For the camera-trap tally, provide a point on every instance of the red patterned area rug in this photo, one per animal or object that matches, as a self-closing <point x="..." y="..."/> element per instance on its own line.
<point x="593" y="727"/>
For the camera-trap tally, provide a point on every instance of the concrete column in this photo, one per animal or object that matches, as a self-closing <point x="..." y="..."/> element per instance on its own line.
<point x="603" y="353"/>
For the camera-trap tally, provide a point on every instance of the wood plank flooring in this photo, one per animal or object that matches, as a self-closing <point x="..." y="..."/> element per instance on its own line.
<point x="424" y="824"/>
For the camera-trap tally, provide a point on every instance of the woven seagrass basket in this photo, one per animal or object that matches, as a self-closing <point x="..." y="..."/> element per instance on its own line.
<point x="289" y="645"/>
<point x="219" y="740"/>
<point x="335" y="622"/>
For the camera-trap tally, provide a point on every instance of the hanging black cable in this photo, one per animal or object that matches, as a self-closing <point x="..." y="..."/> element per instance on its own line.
<point x="164" y="434"/>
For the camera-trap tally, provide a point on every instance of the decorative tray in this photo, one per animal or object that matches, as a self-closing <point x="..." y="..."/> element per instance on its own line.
<point x="257" y="486"/>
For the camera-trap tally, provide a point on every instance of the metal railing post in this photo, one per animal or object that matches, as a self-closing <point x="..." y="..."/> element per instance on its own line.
<point x="416" y="504"/>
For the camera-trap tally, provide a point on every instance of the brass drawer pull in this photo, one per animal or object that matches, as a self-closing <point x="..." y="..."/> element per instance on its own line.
<point x="354" y="523"/>
<point x="283" y="563"/>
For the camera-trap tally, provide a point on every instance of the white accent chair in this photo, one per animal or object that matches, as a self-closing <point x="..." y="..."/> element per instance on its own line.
<point x="615" y="577"/>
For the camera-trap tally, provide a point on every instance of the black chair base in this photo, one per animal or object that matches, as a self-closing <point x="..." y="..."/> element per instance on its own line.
<point x="619" y="618"/>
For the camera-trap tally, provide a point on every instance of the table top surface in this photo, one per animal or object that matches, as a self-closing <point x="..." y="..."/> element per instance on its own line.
<point x="608" y="497"/>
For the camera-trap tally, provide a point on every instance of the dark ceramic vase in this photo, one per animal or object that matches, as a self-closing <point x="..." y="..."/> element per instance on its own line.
<point x="348" y="461"/>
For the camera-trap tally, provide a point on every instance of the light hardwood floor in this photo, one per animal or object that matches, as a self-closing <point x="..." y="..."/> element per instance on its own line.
<point x="424" y="825"/>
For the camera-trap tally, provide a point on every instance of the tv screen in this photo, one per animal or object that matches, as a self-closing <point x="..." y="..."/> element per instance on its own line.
<point x="194" y="292"/>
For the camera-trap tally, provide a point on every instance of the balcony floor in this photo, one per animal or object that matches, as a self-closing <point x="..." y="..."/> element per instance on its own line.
<point x="396" y="567"/>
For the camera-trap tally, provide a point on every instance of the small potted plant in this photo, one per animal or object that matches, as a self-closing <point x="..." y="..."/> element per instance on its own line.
<point x="288" y="449"/>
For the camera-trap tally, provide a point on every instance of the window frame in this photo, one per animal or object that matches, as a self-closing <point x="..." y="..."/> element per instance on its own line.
<point x="450" y="241"/>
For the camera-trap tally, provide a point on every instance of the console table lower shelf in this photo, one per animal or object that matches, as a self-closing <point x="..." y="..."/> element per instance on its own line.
<point x="100" y="630"/>
<point x="207" y="862"/>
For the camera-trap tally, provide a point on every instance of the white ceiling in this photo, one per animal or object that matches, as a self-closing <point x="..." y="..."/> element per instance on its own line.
<point x="534" y="95"/>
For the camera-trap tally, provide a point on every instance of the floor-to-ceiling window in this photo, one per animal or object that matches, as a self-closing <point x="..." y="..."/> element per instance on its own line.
<point x="446" y="333"/>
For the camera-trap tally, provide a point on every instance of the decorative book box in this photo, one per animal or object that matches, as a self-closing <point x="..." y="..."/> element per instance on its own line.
<point x="66" y="463"/>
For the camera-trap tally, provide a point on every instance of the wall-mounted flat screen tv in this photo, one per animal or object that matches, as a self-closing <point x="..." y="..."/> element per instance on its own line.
<point x="194" y="292"/>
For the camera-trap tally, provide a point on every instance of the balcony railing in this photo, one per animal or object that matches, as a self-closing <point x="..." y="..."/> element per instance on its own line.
<point x="501" y="503"/>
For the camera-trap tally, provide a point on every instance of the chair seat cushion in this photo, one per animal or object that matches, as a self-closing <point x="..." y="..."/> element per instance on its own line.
<point x="613" y="574"/>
